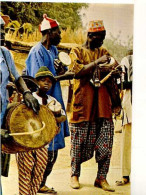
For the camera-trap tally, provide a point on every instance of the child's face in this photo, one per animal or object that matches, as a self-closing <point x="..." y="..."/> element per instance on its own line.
<point x="45" y="83"/>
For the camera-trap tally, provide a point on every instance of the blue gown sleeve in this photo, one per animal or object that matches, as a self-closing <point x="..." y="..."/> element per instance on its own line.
<point x="11" y="65"/>
<point x="34" y="62"/>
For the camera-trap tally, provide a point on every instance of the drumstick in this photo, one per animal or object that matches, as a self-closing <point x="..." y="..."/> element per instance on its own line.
<point x="29" y="133"/>
<point x="108" y="75"/>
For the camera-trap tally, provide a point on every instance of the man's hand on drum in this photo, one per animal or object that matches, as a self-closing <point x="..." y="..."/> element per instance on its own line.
<point x="31" y="102"/>
<point x="103" y="59"/>
<point x="28" y="98"/>
<point x="60" y="69"/>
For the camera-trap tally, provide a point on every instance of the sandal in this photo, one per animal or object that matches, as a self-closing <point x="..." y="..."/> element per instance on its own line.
<point x="46" y="190"/>
<point x="124" y="181"/>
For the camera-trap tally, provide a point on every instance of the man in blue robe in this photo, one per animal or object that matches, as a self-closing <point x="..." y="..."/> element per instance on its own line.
<point x="44" y="54"/>
<point x="7" y="68"/>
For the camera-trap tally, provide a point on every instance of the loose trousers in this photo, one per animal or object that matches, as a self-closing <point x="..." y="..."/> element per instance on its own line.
<point x="87" y="137"/>
<point x="31" y="167"/>
<point x="126" y="150"/>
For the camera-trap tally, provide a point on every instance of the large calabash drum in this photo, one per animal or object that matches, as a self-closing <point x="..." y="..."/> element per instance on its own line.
<point x="29" y="130"/>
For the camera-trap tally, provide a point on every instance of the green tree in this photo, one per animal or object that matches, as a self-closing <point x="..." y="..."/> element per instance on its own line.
<point x="67" y="14"/>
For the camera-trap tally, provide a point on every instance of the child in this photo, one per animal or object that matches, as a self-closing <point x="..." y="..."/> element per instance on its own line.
<point x="34" y="162"/>
<point x="45" y="80"/>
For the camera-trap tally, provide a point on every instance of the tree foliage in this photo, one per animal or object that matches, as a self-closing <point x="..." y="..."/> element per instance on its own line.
<point x="67" y="14"/>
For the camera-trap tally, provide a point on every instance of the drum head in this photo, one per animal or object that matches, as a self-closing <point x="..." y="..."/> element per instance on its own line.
<point x="42" y="126"/>
<point x="64" y="58"/>
<point x="107" y="65"/>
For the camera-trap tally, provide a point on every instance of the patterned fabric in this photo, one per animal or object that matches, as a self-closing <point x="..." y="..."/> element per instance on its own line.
<point x="88" y="137"/>
<point x="103" y="167"/>
<point x="96" y="26"/>
<point x="31" y="167"/>
<point x="130" y="68"/>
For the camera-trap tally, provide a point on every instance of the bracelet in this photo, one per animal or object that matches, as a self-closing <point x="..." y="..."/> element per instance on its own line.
<point x="27" y="91"/>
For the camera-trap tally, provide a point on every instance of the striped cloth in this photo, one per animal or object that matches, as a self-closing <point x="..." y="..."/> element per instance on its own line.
<point x="31" y="167"/>
<point x="130" y="57"/>
<point x="89" y="137"/>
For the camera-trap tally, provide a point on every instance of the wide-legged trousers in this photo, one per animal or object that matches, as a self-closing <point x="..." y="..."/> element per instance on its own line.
<point x="87" y="137"/>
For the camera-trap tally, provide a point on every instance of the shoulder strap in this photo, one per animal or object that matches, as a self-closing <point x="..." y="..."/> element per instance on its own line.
<point x="11" y="77"/>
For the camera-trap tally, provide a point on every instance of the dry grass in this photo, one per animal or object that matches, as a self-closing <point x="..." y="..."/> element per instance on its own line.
<point x="68" y="36"/>
<point x="34" y="37"/>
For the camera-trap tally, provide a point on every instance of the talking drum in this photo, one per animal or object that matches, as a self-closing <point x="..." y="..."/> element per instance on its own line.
<point x="29" y="130"/>
<point x="101" y="70"/>
<point x="61" y="63"/>
<point x="56" y="109"/>
<point x="64" y="58"/>
<point x="106" y="67"/>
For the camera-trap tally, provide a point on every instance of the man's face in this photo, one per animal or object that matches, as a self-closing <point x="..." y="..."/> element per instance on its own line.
<point x="2" y="32"/>
<point x="95" y="39"/>
<point x="55" y="36"/>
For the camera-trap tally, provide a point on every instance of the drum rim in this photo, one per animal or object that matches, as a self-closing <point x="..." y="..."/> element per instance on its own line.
<point x="26" y="148"/>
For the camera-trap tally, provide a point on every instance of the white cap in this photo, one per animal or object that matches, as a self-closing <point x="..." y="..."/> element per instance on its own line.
<point x="47" y="23"/>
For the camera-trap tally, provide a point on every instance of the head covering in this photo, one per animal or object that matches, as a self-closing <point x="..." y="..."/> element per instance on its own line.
<point x="130" y="52"/>
<point x="4" y="20"/>
<point x="44" y="72"/>
<point x="96" y="26"/>
<point x="47" y="23"/>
